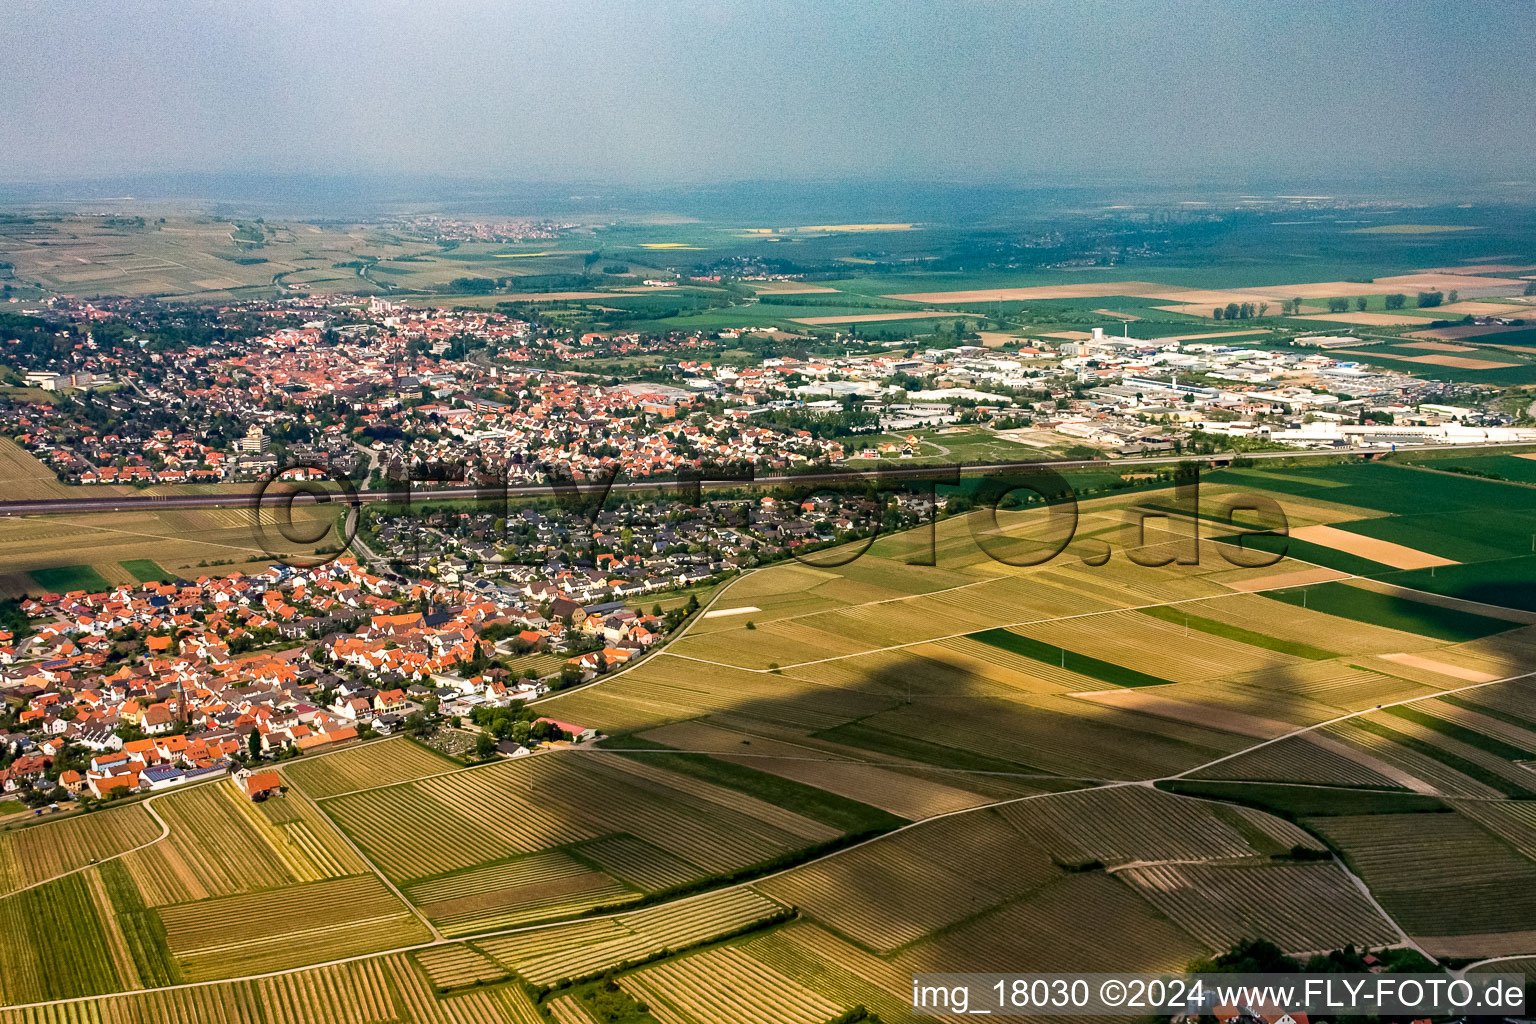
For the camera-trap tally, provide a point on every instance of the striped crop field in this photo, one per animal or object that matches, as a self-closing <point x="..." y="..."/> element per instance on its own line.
<point x="135" y="931"/>
<point x="23" y="476"/>
<point x="1309" y="759"/>
<point x="469" y="818"/>
<point x="1299" y="907"/>
<point x="725" y="986"/>
<point x="461" y="966"/>
<point x="1513" y="821"/>
<point x="361" y="992"/>
<point x="56" y="945"/>
<point x="892" y="892"/>
<point x="306" y="923"/>
<point x="569" y="1010"/>
<point x="418" y="1003"/>
<point x="638" y="863"/>
<point x="1444" y="878"/>
<point x="838" y="970"/>
<point x="425" y="828"/>
<point x="365" y="767"/>
<point x="1133" y="823"/>
<point x="531" y="888"/>
<point x="35" y="853"/>
<point x="593" y="947"/>
<point x="1056" y="929"/>
<point x="222" y="844"/>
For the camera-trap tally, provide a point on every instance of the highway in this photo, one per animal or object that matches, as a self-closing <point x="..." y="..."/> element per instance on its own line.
<point x="281" y="494"/>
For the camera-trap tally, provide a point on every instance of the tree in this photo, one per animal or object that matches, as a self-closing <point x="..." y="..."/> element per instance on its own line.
<point x="1337" y="305"/>
<point x="253" y="743"/>
<point x="1232" y="310"/>
<point x="1451" y="295"/>
<point x="1216" y="313"/>
<point x="1429" y="299"/>
<point x="1245" y="311"/>
<point x="1396" y="300"/>
<point x="1263" y="308"/>
<point x="485" y="745"/>
<point x="1360" y="301"/>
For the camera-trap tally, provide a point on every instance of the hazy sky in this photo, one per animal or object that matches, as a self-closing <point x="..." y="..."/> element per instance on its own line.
<point x="658" y="91"/>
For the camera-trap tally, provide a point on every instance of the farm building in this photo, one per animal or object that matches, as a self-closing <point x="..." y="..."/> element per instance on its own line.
<point x="259" y="785"/>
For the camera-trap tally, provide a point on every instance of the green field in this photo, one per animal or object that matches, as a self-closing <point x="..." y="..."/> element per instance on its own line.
<point x="1500" y="467"/>
<point x="1489" y="526"/>
<point x="145" y="570"/>
<point x="1393" y="612"/>
<point x="65" y="578"/>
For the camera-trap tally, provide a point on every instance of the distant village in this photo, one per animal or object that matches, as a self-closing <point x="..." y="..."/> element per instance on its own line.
<point x="375" y="392"/>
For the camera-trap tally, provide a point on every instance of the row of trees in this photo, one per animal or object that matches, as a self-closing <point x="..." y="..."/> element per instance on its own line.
<point x="1292" y="307"/>
<point x="1240" y="311"/>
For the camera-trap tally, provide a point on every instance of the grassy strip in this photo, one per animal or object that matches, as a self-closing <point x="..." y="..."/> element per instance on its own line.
<point x="1017" y="643"/>
<point x="1295" y="802"/>
<point x="817" y="804"/>
<point x="1392" y="612"/>
<point x="1445" y="757"/>
<point x="1247" y="636"/>
<point x="1471" y="737"/>
<point x="141" y="927"/>
<point x="878" y="741"/>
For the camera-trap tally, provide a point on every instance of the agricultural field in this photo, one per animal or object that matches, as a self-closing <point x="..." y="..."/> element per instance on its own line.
<point x="463" y="966"/>
<point x="1296" y="906"/>
<point x="890" y="893"/>
<point x="359" y="992"/>
<point x="57" y="553"/>
<point x="34" y="853"/>
<point x="539" y="886"/>
<point x="66" y="578"/>
<point x="453" y="829"/>
<point x="588" y="949"/>
<point x="58" y="944"/>
<point x="1451" y="884"/>
<point x="315" y="921"/>
<point x="791" y="771"/>
<point x="725" y="986"/>
<point x="145" y="570"/>
<point x="220" y="844"/>
<point x="367" y="767"/>
<point x="22" y="476"/>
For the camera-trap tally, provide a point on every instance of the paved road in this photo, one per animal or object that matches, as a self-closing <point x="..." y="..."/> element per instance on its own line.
<point x="902" y="471"/>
